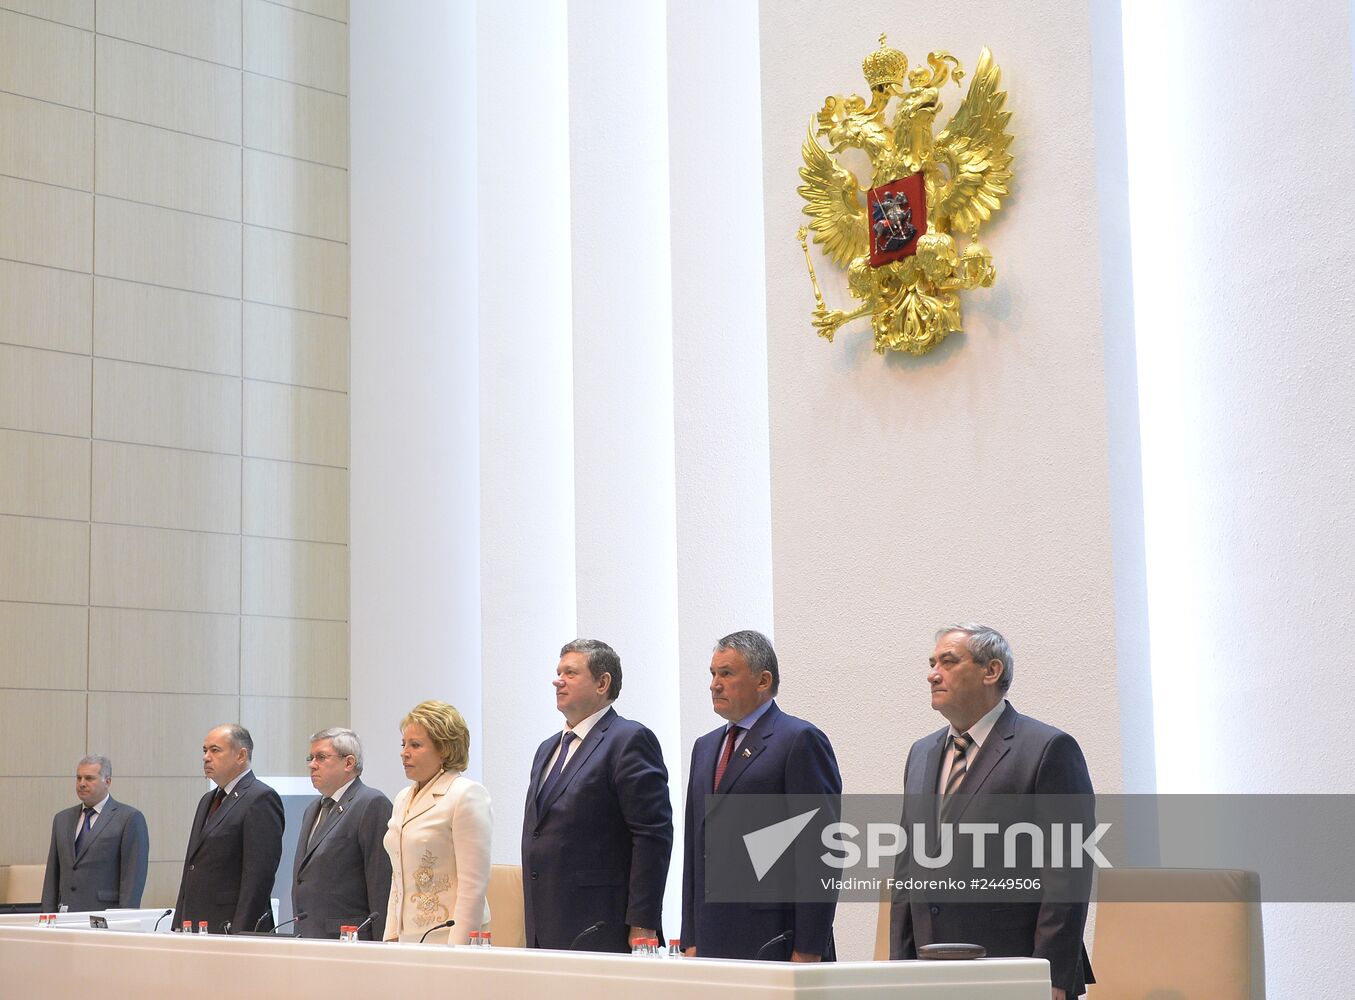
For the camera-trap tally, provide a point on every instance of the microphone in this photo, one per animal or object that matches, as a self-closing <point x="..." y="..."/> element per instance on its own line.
<point x="162" y="917"/>
<point x="226" y="927"/>
<point x="783" y="936"/>
<point x="370" y="917"/>
<point x="262" y="917"/>
<point x="585" y="932"/>
<point x="295" y="920"/>
<point x="436" y="927"/>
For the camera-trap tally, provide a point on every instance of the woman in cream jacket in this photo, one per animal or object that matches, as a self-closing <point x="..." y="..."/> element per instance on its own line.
<point x="438" y="838"/>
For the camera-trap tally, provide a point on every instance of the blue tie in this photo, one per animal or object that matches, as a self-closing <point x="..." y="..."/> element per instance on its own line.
<point x="554" y="775"/>
<point x="84" y="827"/>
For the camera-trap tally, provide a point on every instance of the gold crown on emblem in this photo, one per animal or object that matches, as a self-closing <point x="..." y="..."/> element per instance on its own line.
<point x="885" y="66"/>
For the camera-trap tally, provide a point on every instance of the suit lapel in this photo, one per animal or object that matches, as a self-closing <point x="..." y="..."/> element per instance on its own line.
<point x="105" y="817"/>
<point x="331" y="821"/>
<point x="436" y="790"/>
<point x="307" y="821"/>
<point x="232" y="797"/>
<point x="753" y="745"/>
<point x="538" y="775"/>
<point x="997" y="746"/>
<point x="200" y="823"/>
<point x="579" y="761"/>
<point x="66" y="842"/>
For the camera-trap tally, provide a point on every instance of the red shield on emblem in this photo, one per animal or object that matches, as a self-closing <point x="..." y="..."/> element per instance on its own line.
<point x="898" y="216"/>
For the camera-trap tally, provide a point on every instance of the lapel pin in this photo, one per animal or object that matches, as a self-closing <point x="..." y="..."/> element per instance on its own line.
<point x="747" y="752"/>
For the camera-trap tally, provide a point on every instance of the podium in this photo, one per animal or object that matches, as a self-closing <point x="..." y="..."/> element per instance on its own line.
<point x="70" y="961"/>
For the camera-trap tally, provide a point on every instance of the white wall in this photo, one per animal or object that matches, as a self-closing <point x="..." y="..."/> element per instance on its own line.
<point x="415" y="404"/>
<point x="1243" y="264"/>
<point x="969" y="484"/>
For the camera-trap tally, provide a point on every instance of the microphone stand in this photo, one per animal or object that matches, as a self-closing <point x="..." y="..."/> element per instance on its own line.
<point x="358" y="929"/>
<point x="161" y="917"/>
<point x="783" y="936"/>
<point x="436" y="927"/>
<point x="586" y="932"/>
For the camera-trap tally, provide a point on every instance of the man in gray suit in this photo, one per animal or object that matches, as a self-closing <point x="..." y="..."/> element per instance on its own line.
<point x="235" y="843"/>
<point x="341" y="873"/>
<point x="97" y="860"/>
<point x="990" y="749"/>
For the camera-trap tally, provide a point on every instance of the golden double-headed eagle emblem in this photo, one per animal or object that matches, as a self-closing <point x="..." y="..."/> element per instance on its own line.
<point x="898" y="243"/>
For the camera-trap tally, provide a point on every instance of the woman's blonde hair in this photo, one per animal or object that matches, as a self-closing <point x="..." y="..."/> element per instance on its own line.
<point x="446" y="728"/>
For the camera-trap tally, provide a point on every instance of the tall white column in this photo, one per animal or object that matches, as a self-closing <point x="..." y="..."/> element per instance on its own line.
<point x="526" y="390"/>
<point x="1242" y="259"/>
<point x="625" y="516"/>
<point x="415" y="502"/>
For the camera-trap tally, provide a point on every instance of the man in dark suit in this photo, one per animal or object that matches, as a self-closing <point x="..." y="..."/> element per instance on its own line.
<point x="597" y="832"/>
<point x="235" y="843"/>
<point x="97" y="859"/>
<point x="341" y="873"/>
<point x="761" y="750"/>
<point x="989" y="749"/>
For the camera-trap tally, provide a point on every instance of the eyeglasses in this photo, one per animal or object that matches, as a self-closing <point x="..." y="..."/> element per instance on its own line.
<point x="322" y="757"/>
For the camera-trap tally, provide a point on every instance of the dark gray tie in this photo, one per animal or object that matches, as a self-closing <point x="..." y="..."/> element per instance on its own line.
<point x="958" y="768"/>
<point x="326" y="805"/>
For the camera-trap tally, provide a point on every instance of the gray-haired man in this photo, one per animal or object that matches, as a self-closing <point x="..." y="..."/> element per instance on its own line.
<point x="341" y="873"/>
<point x="97" y="859"/>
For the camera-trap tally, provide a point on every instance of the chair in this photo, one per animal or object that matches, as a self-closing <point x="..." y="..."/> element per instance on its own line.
<point x="506" y="920"/>
<point x="21" y="883"/>
<point x="1154" y="950"/>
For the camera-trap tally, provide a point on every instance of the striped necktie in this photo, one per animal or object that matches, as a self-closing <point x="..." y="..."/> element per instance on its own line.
<point x="958" y="768"/>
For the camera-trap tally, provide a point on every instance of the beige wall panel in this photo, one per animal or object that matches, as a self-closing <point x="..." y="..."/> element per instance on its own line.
<point x="76" y="13"/>
<point x="281" y="728"/>
<point x="289" y="656"/>
<point x="158" y="167"/>
<point x="170" y="570"/>
<point x="143" y="404"/>
<point x="162" y="88"/>
<point x="295" y="46"/>
<point x="287" y="500"/>
<point x="295" y="424"/>
<point x="46" y="142"/>
<point x="302" y="348"/>
<point x="335" y="9"/>
<point x="163" y="651"/>
<point x="204" y="29"/>
<point x="166" y="488"/>
<point x="45" y="475"/>
<point x="295" y="579"/>
<point x="26" y="820"/>
<point x="301" y="272"/>
<point x="44" y="647"/>
<point x="52" y="62"/>
<point x="43" y="732"/>
<point x="44" y="391"/>
<point x="169" y="805"/>
<point x="163" y="877"/>
<point x="158" y="735"/>
<point x="296" y="121"/>
<point x="42" y="224"/>
<point x="164" y="247"/>
<point x="164" y="326"/>
<point x="296" y="195"/>
<point x="46" y="562"/>
<point x="45" y="307"/>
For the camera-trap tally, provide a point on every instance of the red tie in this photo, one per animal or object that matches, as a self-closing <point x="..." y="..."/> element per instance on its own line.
<point x="217" y="799"/>
<point x="731" y="737"/>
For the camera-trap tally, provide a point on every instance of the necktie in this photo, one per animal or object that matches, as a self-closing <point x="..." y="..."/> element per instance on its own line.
<point x="217" y="799"/>
<point x="554" y="775"/>
<point x="84" y="827"/>
<point x="958" y="767"/>
<point x="731" y="737"/>
<point x="326" y="805"/>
